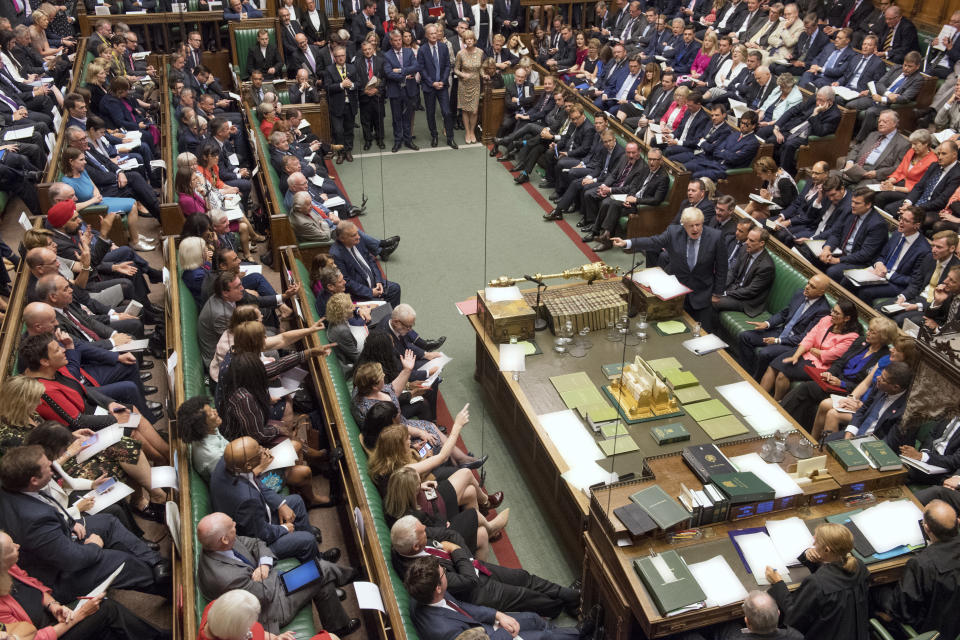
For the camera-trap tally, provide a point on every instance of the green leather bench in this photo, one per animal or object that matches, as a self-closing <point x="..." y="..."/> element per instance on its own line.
<point x="786" y="282"/>
<point x="244" y="39"/>
<point x="342" y="390"/>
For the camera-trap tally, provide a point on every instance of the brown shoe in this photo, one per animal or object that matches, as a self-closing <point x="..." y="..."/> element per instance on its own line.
<point x="349" y="156"/>
<point x="603" y="245"/>
<point x="339" y="159"/>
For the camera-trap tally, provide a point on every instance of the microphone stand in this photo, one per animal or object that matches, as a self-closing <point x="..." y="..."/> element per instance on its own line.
<point x="540" y="323"/>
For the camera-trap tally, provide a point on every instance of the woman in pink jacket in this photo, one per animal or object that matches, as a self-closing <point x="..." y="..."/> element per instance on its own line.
<point x="188" y="184"/>
<point x="823" y="344"/>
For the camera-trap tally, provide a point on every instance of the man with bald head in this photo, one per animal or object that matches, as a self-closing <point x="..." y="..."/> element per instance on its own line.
<point x="928" y="594"/>
<point x="784" y="330"/>
<point x="78" y="321"/>
<point x="365" y="280"/>
<point x="230" y="561"/>
<point x="261" y="512"/>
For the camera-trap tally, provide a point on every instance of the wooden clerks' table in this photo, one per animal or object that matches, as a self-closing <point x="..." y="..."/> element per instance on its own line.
<point x="587" y="527"/>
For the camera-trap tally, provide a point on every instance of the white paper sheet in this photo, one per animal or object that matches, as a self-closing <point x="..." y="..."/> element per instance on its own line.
<point x="502" y="294"/>
<point x="512" y="357"/>
<point x="759" y="552"/>
<point x="738" y="108"/>
<point x="771" y="473"/>
<point x="103" y="586"/>
<point x="106" y="437"/>
<point x="284" y="455"/>
<point x="845" y="93"/>
<point x="368" y="596"/>
<point x="930" y="469"/>
<point x="767" y="420"/>
<point x="863" y="276"/>
<point x="836" y="403"/>
<point x="661" y="284"/>
<point x="572" y="440"/>
<point x="359" y="334"/>
<point x="718" y="581"/>
<point x="791" y="537"/>
<point x="334" y="202"/>
<point x="25" y="221"/>
<point x="941" y="136"/>
<point x="705" y="344"/>
<point x="439" y="363"/>
<point x="743" y="397"/>
<point x="133" y="345"/>
<point x="164" y="477"/>
<point x="282" y="391"/>
<point x="890" y="524"/>
<point x="115" y="494"/>
<point x="587" y="474"/>
<point x="18" y="134"/>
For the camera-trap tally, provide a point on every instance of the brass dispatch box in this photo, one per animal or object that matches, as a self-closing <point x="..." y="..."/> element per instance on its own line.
<point x="505" y="320"/>
<point x="640" y="299"/>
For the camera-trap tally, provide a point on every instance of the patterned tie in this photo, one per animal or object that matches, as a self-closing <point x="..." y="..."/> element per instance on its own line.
<point x="732" y="260"/>
<point x="691" y="253"/>
<point x="369" y="68"/>
<point x="862" y="160"/>
<point x="888" y="39"/>
<point x="931" y="184"/>
<point x="872" y="416"/>
<point x="440" y="553"/>
<point x="622" y="176"/>
<point x="934" y="281"/>
<point x="794" y="319"/>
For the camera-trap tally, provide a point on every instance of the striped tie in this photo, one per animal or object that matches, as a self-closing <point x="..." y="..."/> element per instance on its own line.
<point x="888" y="40"/>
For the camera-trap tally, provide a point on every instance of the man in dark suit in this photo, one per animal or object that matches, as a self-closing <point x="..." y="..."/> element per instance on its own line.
<point x="230" y="561"/>
<point x="314" y="23"/>
<point x="723" y="218"/>
<point x="306" y="56"/>
<point x="400" y="67"/>
<point x="697" y="256"/>
<point x="622" y="92"/>
<point x="697" y="198"/>
<point x="456" y="11"/>
<point x="657" y="103"/>
<point x="480" y="583"/>
<point x="235" y="10"/>
<point x="289" y="30"/>
<point x="681" y="56"/>
<point x="264" y="56"/>
<point x="365" y="281"/>
<point x="822" y="206"/>
<point x="850" y="14"/>
<point x="712" y="132"/>
<point x="575" y="175"/>
<point x="945" y="309"/>
<point x="926" y="597"/>
<point x="438" y="615"/>
<point x="693" y="10"/>
<point x="647" y="188"/>
<point x="69" y="556"/>
<point x="737" y="150"/>
<point x="876" y="157"/>
<point x="854" y="242"/>
<point x="936" y="186"/>
<point x="783" y="331"/>
<point x="434" y="62"/>
<point x="730" y="17"/>
<point x="350" y="8"/>
<point x="941" y="447"/>
<point x="832" y="63"/>
<point x="809" y="45"/>
<point x="341" y="84"/>
<point x="370" y="66"/>
<point x="576" y="143"/>
<point x="533" y="122"/>
<point x="660" y="39"/>
<point x="880" y="415"/>
<point x="752" y="21"/>
<point x="816" y="116"/>
<point x="899" y="37"/>
<point x="919" y="295"/>
<point x="750" y="280"/>
<point x="365" y="22"/>
<point x="900" y="85"/>
<point x="566" y="55"/>
<point x="534" y="144"/>
<point x="863" y="69"/>
<point x="507" y="17"/>
<point x="301" y="90"/>
<point x="904" y="264"/>
<point x="692" y="127"/>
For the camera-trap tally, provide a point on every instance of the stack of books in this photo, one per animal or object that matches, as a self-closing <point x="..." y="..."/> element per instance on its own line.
<point x="592" y="306"/>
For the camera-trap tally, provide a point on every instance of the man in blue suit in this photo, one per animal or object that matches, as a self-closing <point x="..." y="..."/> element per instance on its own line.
<point x="863" y="69"/>
<point x="832" y="63"/>
<point x="737" y="150"/>
<point x="713" y="132"/>
<point x="438" y="615"/>
<point x="364" y="278"/>
<point x="880" y="415"/>
<point x="400" y="67"/>
<point x="816" y="218"/>
<point x="783" y="331"/>
<point x="434" y="62"/>
<point x="698" y="257"/>
<point x="903" y="262"/>
<point x="259" y="511"/>
<point x="680" y="57"/>
<point x="854" y="242"/>
<point x="620" y="93"/>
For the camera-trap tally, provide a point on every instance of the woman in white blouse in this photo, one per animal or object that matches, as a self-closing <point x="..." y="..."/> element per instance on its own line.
<point x="729" y="70"/>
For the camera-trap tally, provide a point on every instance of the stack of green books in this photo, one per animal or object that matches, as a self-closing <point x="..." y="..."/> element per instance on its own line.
<point x="669" y="582"/>
<point x="848" y="455"/>
<point x="678" y="379"/>
<point x="742" y="487"/>
<point x="664" y="510"/>
<point x="881" y="455"/>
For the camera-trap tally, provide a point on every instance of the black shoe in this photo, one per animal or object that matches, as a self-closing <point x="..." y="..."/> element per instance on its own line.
<point x="507" y="157"/>
<point x="583" y="224"/>
<point x="476" y="464"/>
<point x="380" y="144"/>
<point x="341" y="594"/>
<point x="146" y="365"/>
<point x="162" y="572"/>
<point x="497" y="141"/>
<point x="366" y="146"/>
<point x="396" y="147"/>
<point x="352" y="626"/>
<point x="433" y="345"/>
<point x="452" y="144"/>
<point x="154" y="407"/>
<point x="330" y="555"/>
<point x="434" y="141"/>
<point x="546" y="184"/>
<point x="411" y="146"/>
<point x="149" y="390"/>
<point x="317" y="534"/>
<point x="146" y="376"/>
<point x="589" y="237"/>
<point x="494" y="150"/>
<point x="392" y="241"/>
<point x="520" y="179"/>
<point x="154" y="511"/>
<point x="553" y="215"/>
<point x="155" y="276"/>
<point x="386" y="252"/>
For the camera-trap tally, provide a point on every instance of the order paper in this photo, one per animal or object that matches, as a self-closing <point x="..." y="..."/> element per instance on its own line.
<point x="718" y="581"/>
<point x="791" y="537"/>
<point x="106" y="437"/>
<point x="570" y="437"/>
<point x="164" y="477"/>
<point x="284" y="455"/>
<point x="368" y="596"/>
<point x="759" y="552"/>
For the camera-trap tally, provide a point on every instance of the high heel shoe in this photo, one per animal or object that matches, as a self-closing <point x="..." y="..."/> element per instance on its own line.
<point x="494" y="500"/>
<point x="475" y="464"/>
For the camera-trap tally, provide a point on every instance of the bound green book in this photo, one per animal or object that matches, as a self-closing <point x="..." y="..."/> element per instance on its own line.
<point x="664" y="510"/>
<point x="742" y="487"/>
<point x="689" y="395"/>
<point x="614" y="430"/>
<point x="673" y="432"/>
<point x="678" y="379"/>
<point x="701" y="411"/>
<point x="668" y="581"/>
<point x="847" y="455"/>
<point x="882" y="455"/>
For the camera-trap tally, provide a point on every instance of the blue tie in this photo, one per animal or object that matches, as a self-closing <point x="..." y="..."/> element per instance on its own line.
<point x="873" y="415"/>
<point x="892" y="260"/>
<point x="732" y="260"/>
<point x="832" y="60"/>
<point x="241" y="558"/>
<point x="931" y="184"/>
<point x="896" y="85"/>
<point x="788" y="328"/>
<point x="691" y="253"/>
<point x="606" y="163"/>
<point x="97" y="163"/>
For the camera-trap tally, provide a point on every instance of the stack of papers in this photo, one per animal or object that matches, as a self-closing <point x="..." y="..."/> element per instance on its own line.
<point x="705" y="344"/>
<point x="890" y="524"/>
<point x="771" y="473"/>
<point x="758" y="553"/>
<point x="659" y="283"/>
<point x="718" y="581"/>
<point x="861" y="277"/>
<point x="618" y="445"/>
<point x="755" y="408"/>
<point x="571" y="439"/>
<point x="587" y="474"/>
<point x="738" y="108"/>
<point x="671" y="328"/>
<point x="502" y="294"/>
<point x="791" y="537"/>
<point x="440" y="363"/>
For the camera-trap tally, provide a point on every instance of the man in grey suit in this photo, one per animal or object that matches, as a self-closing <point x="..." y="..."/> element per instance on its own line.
<point x="899" y="85"/>
<point x="874" y="159"/>
<point x="698" y="258"/>
<point x="307" y="224"/>
<point x="215" y="315"/>
<point x="230" y="562"/>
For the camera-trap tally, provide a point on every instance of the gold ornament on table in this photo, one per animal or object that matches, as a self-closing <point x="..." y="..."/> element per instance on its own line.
<point x="641" y="394"/>
<point x="588" y="272"/>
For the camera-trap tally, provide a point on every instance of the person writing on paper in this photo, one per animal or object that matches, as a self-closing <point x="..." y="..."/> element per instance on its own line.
<point x="833" y="601"/>
<point x="72" y="557"/>
<point x="28" y="608"/>
<point x="823" y="344"/>
<point x="926" y="597"/>
<point x="245" y="562"/>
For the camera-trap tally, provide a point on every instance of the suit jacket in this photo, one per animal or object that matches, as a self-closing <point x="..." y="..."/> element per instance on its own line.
<point x="452" y="17"/>
<point x="887" y="162"/>
<point x="950" y="458"/>
<point x="822" y="124"/>
<point x="624" y="175"/>
<point x="653" y="191"/>
<point x="309" y="96"/>
<point x="814" y="216"/>
<point x="443" y="623"/>
<point x="807" y="321"/>
<point x="808" y="50"/>
<point x="873" y="71"/>
<point x="246" y="504"/>
<point x="257" y="60"/>
<point x="658" y="42"/>
<point x="734" y="15"/>
<point x="615" y="79"/>
<point x="705" y="206"/>
<point x="289" y="40"/>
<point x="736" y="150"/>
<point x="354" y="274"/>
<point x="337" y="96"/>
<point x="914" y="262"/>
<point x="840" y="65"/>
<point x="525" y="97"/>
<point x="904" y="40"/>
<point x="708" y="274"/>
<point x="577" y="143"/>
<point x="909" y="86"/>
<point x="299" y="61"/>
<point x="699" y="125"/>
<point x="397" y="85"/>
<point x="658" y="102"/>
<point x="566" y="55"/>
<point x="868" y="241"/>
<point x="757" y="278"/>
<point x="921" y="280"/>
<point x="544" y="104"/>
<point x="315" y="34"/>
<point x="747" y="30"/>
<point x="212" y="322"/>
<point x="359" y="28"/>
<point x="887" y="422"/>
<point x="944" y="189"/>
<point x="926" y="596"/>
<point x="598" y="155"/>
<point x="683" y="55"/>
<point x="217" y="574"/>
<point x="430" y="72"/>
<point x="501" y="13"/>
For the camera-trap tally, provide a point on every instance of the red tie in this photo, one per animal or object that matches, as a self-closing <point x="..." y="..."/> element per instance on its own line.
<point x="846" y="18"/>
<point x="369" y="68"/>
<point x="849" y="233"/>
<point x="320" y="212"/>
<point x="453" y="605"/>
<point x="87" y="331"/>
<point x="440" y="553"/>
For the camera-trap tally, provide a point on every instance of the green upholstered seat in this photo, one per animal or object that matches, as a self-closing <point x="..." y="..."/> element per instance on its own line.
<point x="243" y="39"/>
<point x="283" y="96"/>
<point x="507" y="80"/>
<point x="786" y="282"/>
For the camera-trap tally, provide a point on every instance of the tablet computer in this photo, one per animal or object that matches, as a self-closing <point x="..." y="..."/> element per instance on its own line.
<point x="300" y="577"/>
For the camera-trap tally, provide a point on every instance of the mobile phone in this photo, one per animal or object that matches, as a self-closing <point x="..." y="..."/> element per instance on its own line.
<point x="425" y="449"/>
<point x="89" y="441"/>
<point x="106" y="486"/>
<point x="430" y="493"/>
